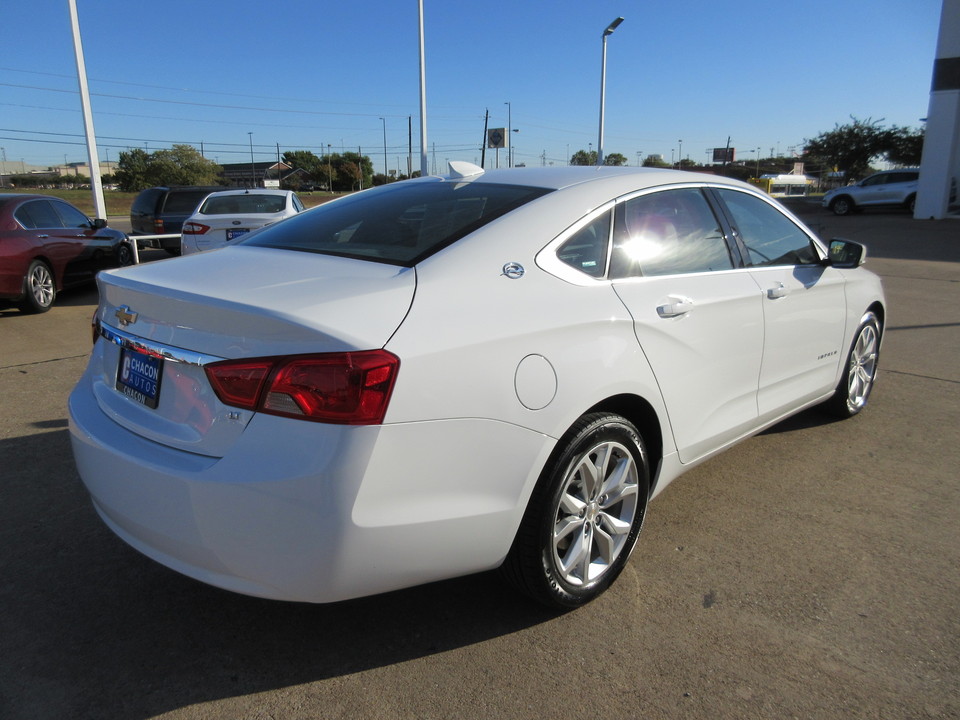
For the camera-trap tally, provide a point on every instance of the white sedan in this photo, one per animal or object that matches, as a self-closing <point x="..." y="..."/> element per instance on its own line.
<point x="228" y="215"/>
<point x="453" y="374"/>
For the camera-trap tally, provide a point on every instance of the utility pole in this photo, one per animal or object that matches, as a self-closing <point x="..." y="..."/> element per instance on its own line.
<point x="100" y="208"/>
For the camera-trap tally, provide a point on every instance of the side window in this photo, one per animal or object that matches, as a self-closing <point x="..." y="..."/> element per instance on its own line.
<point x="667" y="233"/>
<point x="770" y="237"/>
<point x="72" y="218"/>
<point x="874" y="180"/>
<point x="38" y="214"/>
<point x="586" y="249"/>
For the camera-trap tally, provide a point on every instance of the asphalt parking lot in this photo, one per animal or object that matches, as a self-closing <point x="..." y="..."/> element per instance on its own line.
<point x="810" y="572"/>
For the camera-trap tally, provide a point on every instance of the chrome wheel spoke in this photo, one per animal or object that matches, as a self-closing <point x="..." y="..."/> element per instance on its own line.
<point x="595" y="512"/>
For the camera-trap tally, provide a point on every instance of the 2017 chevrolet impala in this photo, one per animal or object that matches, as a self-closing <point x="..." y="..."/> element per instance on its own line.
<point x="453" y="374"/>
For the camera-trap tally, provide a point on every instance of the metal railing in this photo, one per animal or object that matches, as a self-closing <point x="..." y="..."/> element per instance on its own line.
<point x="148" y="241"/>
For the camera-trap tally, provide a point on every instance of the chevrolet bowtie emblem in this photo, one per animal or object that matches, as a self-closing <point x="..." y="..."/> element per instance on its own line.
<point x="125" y="315"/>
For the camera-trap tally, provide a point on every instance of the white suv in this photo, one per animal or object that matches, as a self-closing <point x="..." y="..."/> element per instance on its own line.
<point x="890" y="187"/>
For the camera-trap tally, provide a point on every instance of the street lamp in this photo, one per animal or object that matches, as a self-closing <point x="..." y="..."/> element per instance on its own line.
<point x="680" y="155"/>
<point x="509" y="134"/>
<point x="384" y="150"/>
<point x="253" y="172"/>
<point x="603" y="83"/>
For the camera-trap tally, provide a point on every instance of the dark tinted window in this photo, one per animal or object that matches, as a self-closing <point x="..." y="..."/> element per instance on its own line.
<point x="72" y="218"/>
<point x="770" y="237"/>
<point x="146" y="201"/>
<point x="586" y="249"/>
<point x="668" y="233"/>
<point x="399" y="224"/>
<point x="38" y="214"/>
<point x="243" y="204"/>
<point x="184" y="202"/>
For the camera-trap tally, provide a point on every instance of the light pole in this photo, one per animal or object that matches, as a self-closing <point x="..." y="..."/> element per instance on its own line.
<point x="603" y="83"/>
<point x="385" y="174"/>
<point x="758" y="163"/>
<point x="329" y="170"/>
<point x="509" y="135"/>
<point x="680" y="154"/>
<point x="253" y="172"/>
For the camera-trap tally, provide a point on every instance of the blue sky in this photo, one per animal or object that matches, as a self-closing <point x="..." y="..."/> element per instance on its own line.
<point x="311" y="74"/>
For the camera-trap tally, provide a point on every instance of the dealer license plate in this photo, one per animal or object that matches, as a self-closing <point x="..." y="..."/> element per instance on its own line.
<point x="138" y="376"/>
<point x="234" y="234"/>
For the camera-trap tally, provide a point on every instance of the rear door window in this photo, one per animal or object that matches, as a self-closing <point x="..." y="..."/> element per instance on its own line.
<point x="668" y="233"/>
<point x="38" y="214"/>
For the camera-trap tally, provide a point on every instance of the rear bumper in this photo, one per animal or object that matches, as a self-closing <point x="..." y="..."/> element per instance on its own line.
<point x="311" y="512"/>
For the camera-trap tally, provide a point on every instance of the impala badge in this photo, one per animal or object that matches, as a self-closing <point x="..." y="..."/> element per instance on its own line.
<point x="125" y="315"/>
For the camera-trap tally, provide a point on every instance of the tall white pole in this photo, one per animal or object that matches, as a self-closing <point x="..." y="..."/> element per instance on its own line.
<point x="423" y="102"/>
<point x="603" y="84"/>
<point x="100" y="209"/>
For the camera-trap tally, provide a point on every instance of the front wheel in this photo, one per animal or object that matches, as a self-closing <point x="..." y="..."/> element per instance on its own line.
<point x="39" y="288"/>
<point x="585" y="514"/>
<point x="842" y="205"/>
<point x="860" y="372"/>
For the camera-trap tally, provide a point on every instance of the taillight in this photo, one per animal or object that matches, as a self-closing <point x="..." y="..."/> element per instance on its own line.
<point x="158" y="226"/>
<point x="193" y="228"/>
<point x="350" y="388"/>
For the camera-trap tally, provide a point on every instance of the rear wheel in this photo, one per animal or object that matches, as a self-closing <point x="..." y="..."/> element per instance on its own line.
<point x="585" y="514"/>
<point x="860" y="372"/>
<point x="911" y="203"/>
<point x="39" y="288"/>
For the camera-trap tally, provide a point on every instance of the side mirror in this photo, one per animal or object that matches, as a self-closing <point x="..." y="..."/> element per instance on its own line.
<point x="846" y="254"/>
<point x="99" y="223"/>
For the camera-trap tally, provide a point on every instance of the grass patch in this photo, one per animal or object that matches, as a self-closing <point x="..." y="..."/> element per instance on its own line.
<point x="118" y="203"/>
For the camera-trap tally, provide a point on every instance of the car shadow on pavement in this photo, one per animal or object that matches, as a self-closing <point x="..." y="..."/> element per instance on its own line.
<point x="91" y="628"/>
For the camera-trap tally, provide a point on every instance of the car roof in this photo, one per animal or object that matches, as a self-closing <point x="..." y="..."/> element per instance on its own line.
<point x="251" y="191"/>
<point x="615" y="179"/>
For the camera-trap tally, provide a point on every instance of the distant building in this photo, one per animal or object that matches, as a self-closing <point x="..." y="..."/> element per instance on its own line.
<point x="254" y="174"/>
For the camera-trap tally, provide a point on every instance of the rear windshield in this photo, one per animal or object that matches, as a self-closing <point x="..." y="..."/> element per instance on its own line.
<point x="400" y="224"/>
<point x="184" y="202"/>
<point x="243" y="204"/>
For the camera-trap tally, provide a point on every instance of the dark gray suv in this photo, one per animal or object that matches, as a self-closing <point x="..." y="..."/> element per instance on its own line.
<point x="162" y="210"/>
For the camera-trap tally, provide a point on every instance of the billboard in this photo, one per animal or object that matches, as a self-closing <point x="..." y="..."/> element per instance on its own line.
<point x="724" y="155"/>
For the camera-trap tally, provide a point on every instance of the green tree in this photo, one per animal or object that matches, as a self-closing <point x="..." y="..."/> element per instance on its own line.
<point x="850" y="147"/>
<point x="302" y="160"/>
<point x="615" y="160"/>
<point x="182" y="165"/>
<point x="583" y="157"/>
<point x="132" y="170"/>
<point x="907" y="146"/>
<point x="351" y="171"/>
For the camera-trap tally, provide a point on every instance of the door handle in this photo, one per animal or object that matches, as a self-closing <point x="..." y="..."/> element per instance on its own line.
<point x="675" y="308"/>
<point x="777" y="292"/>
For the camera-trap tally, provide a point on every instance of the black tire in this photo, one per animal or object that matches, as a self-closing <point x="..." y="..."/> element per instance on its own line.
<point x="860" y="371"/>
<point x="911" y="203"/>
<point x="576" y="536"/>
<point x="842" y="205"/>
<point x="39" y="288"/>
<point x="124" y="255"/>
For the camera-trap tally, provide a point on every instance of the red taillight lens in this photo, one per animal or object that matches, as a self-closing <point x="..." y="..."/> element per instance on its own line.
<point x="158" y="226"/>
<point x="343" y="388"/>
<point x="193" y="228"/>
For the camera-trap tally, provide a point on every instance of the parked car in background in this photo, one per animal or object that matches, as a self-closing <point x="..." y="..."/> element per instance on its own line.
<point x="162" y="210"/>
<point x="891" y="188"/>
<point x="230" y="214"/>
<point x="46" y="245"/>
<point x="453" y="374"/>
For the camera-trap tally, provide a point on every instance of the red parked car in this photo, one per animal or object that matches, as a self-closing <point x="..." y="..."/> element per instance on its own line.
<point x="46" y="245"/>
